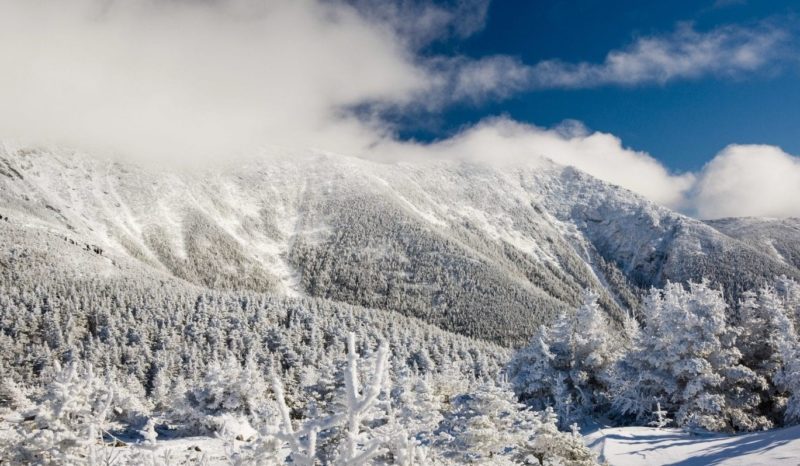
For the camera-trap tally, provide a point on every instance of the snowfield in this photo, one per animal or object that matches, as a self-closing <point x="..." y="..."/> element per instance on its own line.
<point x="646" y="446"/>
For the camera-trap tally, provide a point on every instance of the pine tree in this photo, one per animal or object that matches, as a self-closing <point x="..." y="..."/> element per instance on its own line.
<point x="594" y="355"/>
<point x="487" y="425"/>
<point x="358" y="443"/>
<point x="569" y="367"/>
<point x="531" y="371"/>
<point x="686" y="356"/>
<point x="549" y="446"/>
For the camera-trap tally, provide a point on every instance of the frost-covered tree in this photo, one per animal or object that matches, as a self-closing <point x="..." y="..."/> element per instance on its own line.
<point x="12" y="395"/>
<point x="596" y="350"/>
<point x="360" y="444"/>
<point x="660" y="417"/>
<point x="489" y="426"/>
<point x="418" y="407"/>
<point x="686" y="357"/>
<point x="228" y="394"/>
<point x="569" y="366"/>
<point x="531" y="371"/>
<point x="550" y="447"/>
<point x="485" y="425"/>
<point x="67" y="426"/>
<point x="352" y="426"/>
<point x="766" y="331"/>
<point x="789" y="380"/>
<point x="789" y="292"/>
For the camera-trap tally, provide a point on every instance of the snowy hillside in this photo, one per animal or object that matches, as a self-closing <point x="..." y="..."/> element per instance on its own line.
<point x="779" y="238"/>
<point x="323" y="309"/>
<point x="483" y="251"/>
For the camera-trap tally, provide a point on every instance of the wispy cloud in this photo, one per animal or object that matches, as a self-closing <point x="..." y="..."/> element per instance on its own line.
<point x="725" y="52"/>
<point x="684" y="54"/>
<point x="421" y="22"/>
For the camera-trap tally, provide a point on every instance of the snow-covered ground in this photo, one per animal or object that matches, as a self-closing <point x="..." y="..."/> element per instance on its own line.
<point x="632" y="446"/>
<point x="186" y="450"/>
<point x="622" y="446"/>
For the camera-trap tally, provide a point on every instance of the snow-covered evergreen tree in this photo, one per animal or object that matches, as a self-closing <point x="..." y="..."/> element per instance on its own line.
<point x="789" y="380"/>
<point x="531" y="371"/>
<point x="595" y="355"/>
<point x="12" y="395"/>
<point x="550" y="447"/>
<point x="485" y="426"/>
<point x="418" y="407"/>
<point x="569" y="366"/>
<point x="686" y="357"/>
<point x="227" y="396"/>
<point x="489" y="426"/>
<point x="660" y="417"/>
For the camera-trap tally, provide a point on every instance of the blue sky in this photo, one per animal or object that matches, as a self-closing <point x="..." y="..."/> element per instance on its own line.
<point x="683" y="123"/>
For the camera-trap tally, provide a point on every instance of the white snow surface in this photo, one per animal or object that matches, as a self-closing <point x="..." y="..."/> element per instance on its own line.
<point x="622" y="446"/>
<point x="647" y="446"/>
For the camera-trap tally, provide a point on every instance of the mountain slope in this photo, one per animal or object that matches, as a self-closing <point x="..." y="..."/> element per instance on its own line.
<point x="483" y="251"/>
<point x="780" y="238"/>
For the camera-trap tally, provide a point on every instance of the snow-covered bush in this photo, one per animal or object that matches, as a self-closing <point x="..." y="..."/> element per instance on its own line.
<point x="685" y="356"/>
<point x="225" y="398"/>
<point x="13" y="397"/>
<point x="372" y="423"/>
<point x="489" y="426"/>
<point x="417" y="406"/>
<point x="569" y="366"/>
<point x="350" y="430"/>
<point x="487" y="423"/>
<point x="550" y="447"/>
<point x="67" y="426"/>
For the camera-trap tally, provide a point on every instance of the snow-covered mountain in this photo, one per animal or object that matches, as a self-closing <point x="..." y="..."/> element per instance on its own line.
<point x="480" y="250"/>
<point x="779" y="238"/>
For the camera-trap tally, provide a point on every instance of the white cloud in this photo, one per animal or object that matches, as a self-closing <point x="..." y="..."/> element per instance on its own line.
<point x="420" y="22"/>
<point x="500" y="140"/>
<point x="684" y="54"/>
<point x="749" y="180"/>
<point x="741" y="180"/>
<point x="727" y="51"/>
<point x="476" y="80"/>
<point x="191" y="79"/>
<point x="183" y="80"/>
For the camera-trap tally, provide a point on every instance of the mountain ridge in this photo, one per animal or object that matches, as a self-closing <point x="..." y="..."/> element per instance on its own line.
<point x="476" y="249"/>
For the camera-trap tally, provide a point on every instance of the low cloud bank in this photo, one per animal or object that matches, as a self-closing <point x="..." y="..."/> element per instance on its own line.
<point x="749" y="180"/>
<point x="741" y="180"/>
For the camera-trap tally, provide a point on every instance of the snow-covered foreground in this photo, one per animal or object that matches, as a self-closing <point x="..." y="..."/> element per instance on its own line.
<point x="623" y="446"/>
<point x="208" y="451"/>
<point x="632" y="446"/>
